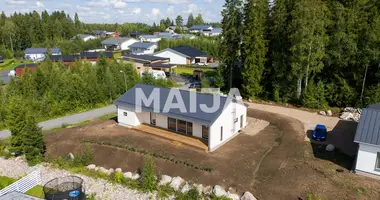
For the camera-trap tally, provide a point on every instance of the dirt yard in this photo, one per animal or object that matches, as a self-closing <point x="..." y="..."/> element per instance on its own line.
<point x="275" y="163"/>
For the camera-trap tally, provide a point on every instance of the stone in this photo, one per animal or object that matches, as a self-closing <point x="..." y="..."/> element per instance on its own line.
<point x="248" y="196"/>
<point x="135" y="176"/>
<point x="128" y="175"/>
<point x="219" y="191"/>
<point x="346" y="116"/>
<point x="96" y="169"/>
<point x="165" y="179"/>
<point x="233" y="196"/>
<point x="186" y="188"/>
<point x="231" y="190"/>
<point x="71" y="156"/>
<point x="322" y="113"/>
<point x="91" y="167"/>
<point x="118" y="170"/>
<point x="330" y="148"/>
<point x="103" y="170"/>
<point x="207" y="190"/>
<point x="329" y="113"/>
<point x="111" y="170"/>
<point x="176" y="183"/>
<point x="199" y="187"/>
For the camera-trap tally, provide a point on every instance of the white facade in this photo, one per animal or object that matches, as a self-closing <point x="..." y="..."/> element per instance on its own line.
<point x="149" y="39"/>
<point x="174" y="58"/>
<point x="226" y="127"/>
<point x="125" y="45"/>
<point x="143" y="51"/>
<point x="367" y="158"/>
<point x="35" y="56"/>
<point x="89" y="37"/>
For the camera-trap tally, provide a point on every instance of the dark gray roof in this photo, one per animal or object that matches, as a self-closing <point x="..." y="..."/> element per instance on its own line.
<point x="161" y="65"/>
<point x="189" y="51"/>
<point x="145" y="57"/>
<point x="115" y="41"/>
<point x="88" y="55"/>
<point x="41" y="50"/>
<point x="128" y="99"/>
<point x="64" y="58"/>
<point x="200" y="27"/>
<point x="142" y="45"/>
<point x="368" y="130"/>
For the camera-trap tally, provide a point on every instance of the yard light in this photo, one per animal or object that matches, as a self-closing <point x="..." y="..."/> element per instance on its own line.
<point x="125" y="80"/>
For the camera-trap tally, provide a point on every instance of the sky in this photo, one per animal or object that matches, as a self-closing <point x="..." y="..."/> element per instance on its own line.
<point x="121" y="11"/>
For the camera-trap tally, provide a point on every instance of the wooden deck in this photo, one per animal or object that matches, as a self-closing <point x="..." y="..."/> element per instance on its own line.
<point x="176" y="138"/>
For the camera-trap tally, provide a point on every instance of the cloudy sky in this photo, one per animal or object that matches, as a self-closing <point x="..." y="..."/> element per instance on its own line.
<point x="120" y="11"/>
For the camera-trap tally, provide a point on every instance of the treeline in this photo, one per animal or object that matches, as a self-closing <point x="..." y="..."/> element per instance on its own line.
<point x="206" y="44"/>
<point x="55" y="89"/>
<point x="314" y="53"/>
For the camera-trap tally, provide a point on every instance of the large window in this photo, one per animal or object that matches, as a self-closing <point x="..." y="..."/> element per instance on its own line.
<point x="205" y="130"/>
<point x="241" y="121"/>
<point x="172" y="124"/>
<point x="181" y="126"/>
<point x="189" y="128"/>
<point x="377" y="166"/>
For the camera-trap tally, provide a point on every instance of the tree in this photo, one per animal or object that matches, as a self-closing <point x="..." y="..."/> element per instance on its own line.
<point x="33" y="141"/>
<point x="16" y="122"/>
<point x="190" y="20"/>
<point x="231" y="40"/>
<point x="179" y="21"/>
<point x="78" y="24"/>
<point x="168" y="22"/>
<point x="219" y="79"/>
<point x="198" y="20"/>
<point x="254" y="47"/>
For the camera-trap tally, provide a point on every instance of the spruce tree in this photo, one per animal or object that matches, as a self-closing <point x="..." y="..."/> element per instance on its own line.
<point x="15" y="121"/>
<point x="190" y="20"/>
<point x="33" y="141"/>
<point x="254" y="46"/>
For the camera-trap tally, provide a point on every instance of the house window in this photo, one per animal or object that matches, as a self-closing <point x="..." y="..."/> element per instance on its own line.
<point x="181" y="126"/>
<point x="172" y="124"/>
<point x="205" y="131"/>
<point x="189" y="128"/>
<point x="377" y="167"/>
<point x="241" y="121"/>
<point x="125" y="114"/>
<point x="153" y="118"/>
<point x="221" y="133"/>
<point x="236" y="120"/>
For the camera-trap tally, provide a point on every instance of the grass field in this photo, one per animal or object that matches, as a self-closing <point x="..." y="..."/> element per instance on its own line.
<point x="189" y="71"/>
<point x="36" y="191"/>
<point x="5" y="181"/>
<point x="12" y="63"/>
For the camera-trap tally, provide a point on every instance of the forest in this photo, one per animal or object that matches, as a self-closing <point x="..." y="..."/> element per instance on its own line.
<point x="313" y="53"/>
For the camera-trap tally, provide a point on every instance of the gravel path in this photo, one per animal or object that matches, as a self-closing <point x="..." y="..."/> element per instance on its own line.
<point x="103" y="189"/>
<point x="72" y="119"/>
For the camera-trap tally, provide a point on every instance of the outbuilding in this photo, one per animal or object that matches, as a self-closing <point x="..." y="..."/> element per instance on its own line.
<point x="118" y="43"/>
<point x="142" y="48"/>
<point x="212" y="118"/>
<point x="39" y="54"/>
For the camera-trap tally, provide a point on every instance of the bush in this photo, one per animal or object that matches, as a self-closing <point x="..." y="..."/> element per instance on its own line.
<point x="148" y="179"/>
<point x="118" y="177"/>
<point x="192" y="194"/>
<point x="84" y="157"/>
<point x="164" y="191"/>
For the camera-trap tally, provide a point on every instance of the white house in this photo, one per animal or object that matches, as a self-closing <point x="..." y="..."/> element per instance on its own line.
<point x="155" y="106"/>
<point x="368" y="137"/>
<point x="143" y="48"/>
<point x="38" y="54"/>
<point x="200" y="28"/>
<point x="213" y="32"/>
<point x="183" y="55"/>
<point x="149" y="38"/>
<point x="118" y="43"/>
<point x="84" y="37"/>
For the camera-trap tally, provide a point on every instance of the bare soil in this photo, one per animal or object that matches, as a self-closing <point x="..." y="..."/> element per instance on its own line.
<point x="275" y="163"/>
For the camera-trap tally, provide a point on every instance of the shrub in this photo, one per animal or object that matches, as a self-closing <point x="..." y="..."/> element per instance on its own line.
<point x="118" y="177"/>
<point x="164" y="191"/>
<point x="84" y="157"/>
<point x="148" y="179"/>
<point x="192" y="194"/>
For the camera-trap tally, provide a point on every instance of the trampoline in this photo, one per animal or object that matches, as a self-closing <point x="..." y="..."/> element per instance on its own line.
<point x="69" y="187"/>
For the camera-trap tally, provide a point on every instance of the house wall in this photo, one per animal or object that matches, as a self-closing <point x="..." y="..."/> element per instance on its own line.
<point x="150" y="39"/>
<point x="174" y="58"/>
<point x="140" y="51"/>
<point x="230" y="126"/>
<point x="88" y="38"/>
<point x="125" y="45"/>
<point x="132" y="118"/>
<point x="36" y="56"/>
<point x="366" y="159"/>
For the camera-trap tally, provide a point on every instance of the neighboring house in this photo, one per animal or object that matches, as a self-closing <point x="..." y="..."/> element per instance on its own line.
<point x="118" y="43"/>
<point x="213" y="128"/>
<point x="213" y="32"/>
<point x="91" y="57"/>
<point x="148" y="62"/>
<point x="19" y="70"/>
<point x="135" y="35"/>
<point x="112" y="34"/>
<point x="200" y="28"/>
<point x="142" y="48"/>
<point x="100" y="33"/>
<point x="368" y="137"/>
<point x="149" y="38"/>
<point x="39" y="54"/>
<point x="165" y="35"/>
<point x="84" y="37"/>
<point x="183" y="55"/>
<point x="173" y="28"/>
<point x="187" y="36"/>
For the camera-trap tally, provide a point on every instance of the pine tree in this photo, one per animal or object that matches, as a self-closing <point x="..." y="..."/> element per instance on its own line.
<point x="254" y="47"/>
<point x="33" y="141"/>
<point x="179" y="21"/>
<point x="78" y="24"/>
<point x="190" y="20"/>
<point x="219" y="79"/>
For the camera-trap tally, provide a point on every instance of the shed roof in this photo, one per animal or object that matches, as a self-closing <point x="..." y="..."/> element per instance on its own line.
<point x="128" y="99"/>
<point x="142" y="45"/>
<point x="368" y="130"/>
<point x="115" y="40"/>
<point x="41" y="50"/>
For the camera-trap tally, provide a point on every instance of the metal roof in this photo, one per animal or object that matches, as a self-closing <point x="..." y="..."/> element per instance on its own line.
<point x="115" y="41"/>
<point x="201" y="27"/>
<point x="148" y="36"/>
<point x="128" y="100"/>
<point x="106" y="54"/>
<point x="145" y="57"/>
<point x="161" y="65"/>
<point x="189" y="51"/>
<point x="41" y="50"/>
<point x="368" y="130"/>
<point x="142" y="45"/>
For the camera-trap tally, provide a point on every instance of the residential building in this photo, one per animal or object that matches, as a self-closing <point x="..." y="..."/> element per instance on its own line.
<point x="187" y="36"/>
<point x="118" y="43"/>
<point x="368" y="137"/>
<point x="19" y="70"/>
<point x="100" y="33"/>
<point x="200" y="28"/>
<point x="148" y="62"/>
<point x="39" y="54"/>
<point x="84" y="37"/>
<point x="142" y="48"/>
<point x="214" y="127"/>
<point x="149" y="38"/>
<point x="173" y="28"/>
<point x="165" y="35"/>
<point x="91" y="57"/>
<point x="183" y="55"/>
<point x="213" y="32"/>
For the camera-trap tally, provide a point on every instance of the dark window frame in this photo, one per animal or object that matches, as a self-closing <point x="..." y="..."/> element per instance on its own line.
<point x="208" y="132"/>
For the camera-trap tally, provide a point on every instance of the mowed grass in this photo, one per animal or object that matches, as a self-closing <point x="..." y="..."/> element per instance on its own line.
<point x="5" y="181"/>
<point x="37" y="191"/>
<point x="189" y="71"/>
<point x="12" y="63"/>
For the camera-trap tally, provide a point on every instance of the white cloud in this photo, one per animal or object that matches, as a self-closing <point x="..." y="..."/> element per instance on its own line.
<point x="15" y="2"/>
<point x="40" y="4"/>
<point x="170" y="11"/>
<point x="155" y="11"/>
<point x="82" y="8"/>
<point x="136" y="11"/>
<point x="192" y="8"/>
<point x="119" y="4"/>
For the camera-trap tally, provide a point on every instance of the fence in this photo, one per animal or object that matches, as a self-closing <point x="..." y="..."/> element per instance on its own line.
<point x="24" y="184"/>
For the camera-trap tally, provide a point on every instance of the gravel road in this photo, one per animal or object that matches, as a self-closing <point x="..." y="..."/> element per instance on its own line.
<point x="103" y="189"/>
<point x="72" y="119"/>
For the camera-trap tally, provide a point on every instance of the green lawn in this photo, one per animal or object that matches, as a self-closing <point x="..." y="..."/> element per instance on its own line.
<point x="117" y="55"/>
<point x="12" y="63"/>
<point x="37" y="191"/>
<point x="189" y="71"/>
<point x="5" y="181"/>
